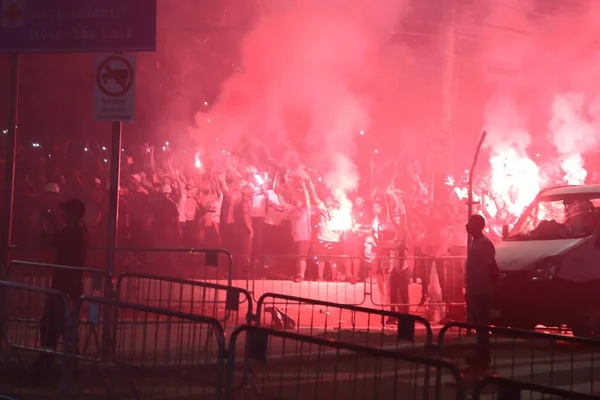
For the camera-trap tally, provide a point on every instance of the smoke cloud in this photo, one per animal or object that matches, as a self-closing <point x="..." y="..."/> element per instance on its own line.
<point x="571" y="135"/>
<point x="314" y="75"/>
<point x="541" y="98"/>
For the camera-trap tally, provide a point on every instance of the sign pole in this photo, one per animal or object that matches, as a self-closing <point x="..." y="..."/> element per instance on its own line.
<point x="11" y="150"/>
<point x="115" y="171"/>
<point x="114" y="100"/>
<point x="113" y="213"/>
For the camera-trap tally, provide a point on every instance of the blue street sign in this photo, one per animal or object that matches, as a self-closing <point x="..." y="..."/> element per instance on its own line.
<point x="77" y="25"/>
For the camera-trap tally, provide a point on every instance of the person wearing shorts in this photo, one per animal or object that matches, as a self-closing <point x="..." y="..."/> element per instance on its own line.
<point x="301" y="230"/>
<point x="328" y="246"/>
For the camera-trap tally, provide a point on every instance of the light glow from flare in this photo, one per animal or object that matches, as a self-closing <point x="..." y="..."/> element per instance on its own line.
<point x="341" y="219"/>
<point x="515" y="180"/>
<point x="572" y="166"/>
<point x="259" y="179"/>
<point x="197" y="162"/>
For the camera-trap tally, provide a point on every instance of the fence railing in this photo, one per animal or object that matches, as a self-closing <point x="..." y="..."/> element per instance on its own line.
<point x="168" y="335"/>
<point x="33" y="337"/>
<point x="37" y="274"/>
<point x="437" y="293"/>
<point x="183" y="263"/>
<point x="40" y="274"/>
<point x="343" y="322"/>
<point x="440" y="289"/>
<point x="385" y="281"/>
<point x="551" y="360"/>
<point x="301" y="366"/>
<point x="95" y="282"/>
<point x="509" y="389"/>
<point x="169" y="354"/>
<point x="231" y="306"/>
<point x="283" y="269"/>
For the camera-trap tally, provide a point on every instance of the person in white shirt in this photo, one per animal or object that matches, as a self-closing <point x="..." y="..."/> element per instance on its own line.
<point x="301" y="229"/>
<point x="258" y="213"/>
<point x="329" y="239"/>
<point x="180" y="200"/>
<point x="190" y="215"/>
<point x="210" y="204"/>
<point x="277" y="210"/>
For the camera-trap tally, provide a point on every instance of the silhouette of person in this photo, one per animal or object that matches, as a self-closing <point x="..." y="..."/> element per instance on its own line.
<point x="70" y="239"/>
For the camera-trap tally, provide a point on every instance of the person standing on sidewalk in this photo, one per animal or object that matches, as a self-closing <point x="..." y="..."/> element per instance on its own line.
<point x="71" y="241"/>
<point x="481" y="274"/>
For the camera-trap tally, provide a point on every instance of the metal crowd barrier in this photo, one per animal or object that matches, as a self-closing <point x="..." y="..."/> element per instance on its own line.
<point x="441" y="287"/>
<point x="289" y="365"/>
<point x="170" y="355"/>
<point x="27" y="333"/>
<point x="374" y="287"/>
<point x="40" y="275"/>
<point x="231" y="306"/>
<point x="556" y="361"/>
<point x="343" y="323"/>
<point x="183" y="263"/>
<point x="508" y="389"/>
<point x="333" y="288"/>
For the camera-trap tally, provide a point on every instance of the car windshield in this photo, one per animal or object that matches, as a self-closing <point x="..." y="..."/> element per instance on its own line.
<point x="567" y="216"/>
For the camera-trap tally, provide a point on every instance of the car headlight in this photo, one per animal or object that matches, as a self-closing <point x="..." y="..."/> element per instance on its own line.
<point x="547" y="268"/>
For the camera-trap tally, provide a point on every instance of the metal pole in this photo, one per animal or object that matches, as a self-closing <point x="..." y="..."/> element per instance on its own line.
<point x="11" y="151"/>
<point x="470" y="184"/>
<point x="113" y="212"/>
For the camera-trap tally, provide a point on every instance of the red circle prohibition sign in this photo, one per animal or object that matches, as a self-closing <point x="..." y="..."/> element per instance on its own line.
<point x="121" y="77"/>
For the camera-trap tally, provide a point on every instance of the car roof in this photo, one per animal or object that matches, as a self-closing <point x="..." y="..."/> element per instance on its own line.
<point x="572" y="189"/>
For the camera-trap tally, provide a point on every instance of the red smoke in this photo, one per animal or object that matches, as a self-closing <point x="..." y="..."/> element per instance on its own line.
<point x="315" y="74"/>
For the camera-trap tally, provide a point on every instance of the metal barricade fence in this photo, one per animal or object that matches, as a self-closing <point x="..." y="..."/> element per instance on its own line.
<point x="32" y="338"/>
<point x="183" y="263"/>
<point x="344" y="323"/>
<point x="231" y="306"/>
<point x="557" y="361"/>
<point x="170" y="355"/>
<point x="430" y="285"/>
<point x="288" y="365"/>
<point x="242" y="272"/>
<point x="333" y="288"/>
<point x="40" y="275"/>
<point x="509" y="389"/>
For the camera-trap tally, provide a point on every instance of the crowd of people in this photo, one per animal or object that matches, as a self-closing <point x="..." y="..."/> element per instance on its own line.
<point x="279" y="216"/>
